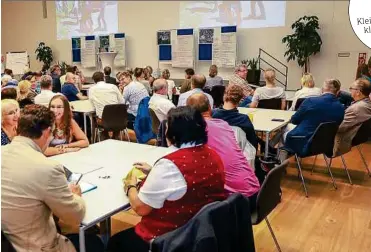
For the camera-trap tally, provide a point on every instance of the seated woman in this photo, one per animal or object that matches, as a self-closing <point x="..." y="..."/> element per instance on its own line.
<point x="229" y="113"/>
<point x="308" y="89"/>
<point x="9" y="120"/>
<point x="178" y="185"/>
<point x="269" y="91"/>
<point x="25" y="94"/>
<point x="68" y="137"/>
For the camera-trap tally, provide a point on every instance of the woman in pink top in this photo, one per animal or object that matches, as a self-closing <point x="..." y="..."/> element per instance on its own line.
<point x="239" y="176"/>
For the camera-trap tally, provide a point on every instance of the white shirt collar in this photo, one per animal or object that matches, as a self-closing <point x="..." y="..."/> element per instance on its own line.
<point x="159" y="95"/>
<point x="100" y="82"/>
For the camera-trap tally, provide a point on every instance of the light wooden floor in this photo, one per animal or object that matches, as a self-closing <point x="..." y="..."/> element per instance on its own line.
<point x="329" y="220"/>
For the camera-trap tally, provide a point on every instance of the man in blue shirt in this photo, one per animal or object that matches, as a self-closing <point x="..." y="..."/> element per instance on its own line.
<point x="70" y="90"/>
<point x="198" y="83"/>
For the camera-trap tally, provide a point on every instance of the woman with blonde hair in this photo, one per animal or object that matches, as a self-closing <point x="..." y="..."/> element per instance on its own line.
<point x="308" y="89"/>
<point x="25" y="94"/>
<point x="68" y="137"/>
<point x="170" y="83"/>
<point x="9" y="120"/>
<point x="269" y="91"/>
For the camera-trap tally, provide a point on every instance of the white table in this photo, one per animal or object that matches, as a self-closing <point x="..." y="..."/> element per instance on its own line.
<point x="87" y="109"/>
<point x="116" y="158"/>
<point x="262" y="121"/>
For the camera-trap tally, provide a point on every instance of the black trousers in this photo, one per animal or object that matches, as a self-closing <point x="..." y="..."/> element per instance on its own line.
<point x="131" y="120"/>
<point x="92" y="242"/>
<point x="127" y="241"/>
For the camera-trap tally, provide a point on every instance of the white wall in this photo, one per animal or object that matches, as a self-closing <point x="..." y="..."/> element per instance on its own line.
<point x="23" y="27"/>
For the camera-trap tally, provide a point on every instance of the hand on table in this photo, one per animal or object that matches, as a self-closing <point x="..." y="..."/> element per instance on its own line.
<point x="144" y="167"/>
<point x="76" y="189"/>
<point x="63" y="148"/>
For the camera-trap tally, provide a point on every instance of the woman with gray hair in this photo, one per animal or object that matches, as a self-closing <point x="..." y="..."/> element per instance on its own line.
<point x="9" y="120"/>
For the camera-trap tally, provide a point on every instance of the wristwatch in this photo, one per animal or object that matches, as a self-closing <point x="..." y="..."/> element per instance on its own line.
<point x="129" y="187"/>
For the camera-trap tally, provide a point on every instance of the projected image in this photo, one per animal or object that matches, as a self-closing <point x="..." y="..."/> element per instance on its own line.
<point x="244" y="14"/>
<point x="79" y="18"/>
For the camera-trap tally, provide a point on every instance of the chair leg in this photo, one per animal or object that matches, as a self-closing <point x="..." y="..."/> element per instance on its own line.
<point x="346" y="169"/>
<point x="127" y="134"/>
<point x="315" y="159"/>
<point x="364" y="160"/>
<point x="328" y="164"/>
<point x="301" y="175"/>
<point x="272" y="233"/>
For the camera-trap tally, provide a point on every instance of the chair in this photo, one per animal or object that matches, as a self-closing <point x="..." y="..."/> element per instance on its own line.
<point x="362" y="135"/>
<point x="155" y="121"/>
<point x="270" y="103"/>
<point x="217" y="92"/>
<point x="322" y="142"/>
<point x="6" y="245"/>
<point x="114" y="118"/>
<point x="268" y="198"/>
<point x="298" y="103"/>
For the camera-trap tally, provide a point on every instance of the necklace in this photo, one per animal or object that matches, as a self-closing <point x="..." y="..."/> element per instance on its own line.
<point x="60" y="133"/>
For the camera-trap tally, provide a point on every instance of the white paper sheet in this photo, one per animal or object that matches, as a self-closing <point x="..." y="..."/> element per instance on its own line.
<point x="183" y="51"/>
<point x="88" y="53"/>
<point x="120" y="59"/>
<point x="17" y="62"/>
<point x="224" y="48"/>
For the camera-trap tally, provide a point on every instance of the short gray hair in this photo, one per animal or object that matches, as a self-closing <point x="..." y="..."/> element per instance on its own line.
<point x="159" y="84"/>
<point x="332" y="85"/>
<point x="46" y="81"/>
<point x="237" y="68"/>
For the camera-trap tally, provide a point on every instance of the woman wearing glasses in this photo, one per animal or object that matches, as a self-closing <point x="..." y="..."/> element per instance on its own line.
<point x="68" y="137"/>
<point x="9" y="120"/>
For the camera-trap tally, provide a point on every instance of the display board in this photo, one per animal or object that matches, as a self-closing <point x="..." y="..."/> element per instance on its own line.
<point x="17" y="61"/>
<point x="117" y="44"/>
<point x="88" y="52"/>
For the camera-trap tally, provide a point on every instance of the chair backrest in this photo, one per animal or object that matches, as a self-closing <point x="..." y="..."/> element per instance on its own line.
<point x="115" y="117"/>
<point x="155" y="121"/>
<point x="6" y="245"/>
<point x="298" y="103"/>
<point x="270" y="192"/>
<point x="363" y="133"/>
<point x="270" y="103"/>
<point x="322" y="141"/>
<point x="217" y="92"/>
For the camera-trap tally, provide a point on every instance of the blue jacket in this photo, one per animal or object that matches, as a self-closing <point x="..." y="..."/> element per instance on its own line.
<point x="143" y="122"/>
<point x="312" y="112"/>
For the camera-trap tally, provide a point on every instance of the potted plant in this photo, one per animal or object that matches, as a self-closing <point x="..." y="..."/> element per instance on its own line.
<point x="63" y="66"/>
<point x="44" y="54"/>
<point x="253" y="75"/>
<point x="304" y="42"/>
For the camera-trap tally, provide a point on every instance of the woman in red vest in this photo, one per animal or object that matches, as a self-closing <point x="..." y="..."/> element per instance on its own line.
<point x="178" y="185"/>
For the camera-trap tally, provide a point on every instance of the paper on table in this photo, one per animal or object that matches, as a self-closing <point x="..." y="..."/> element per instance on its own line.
<point x="86" y="187"/>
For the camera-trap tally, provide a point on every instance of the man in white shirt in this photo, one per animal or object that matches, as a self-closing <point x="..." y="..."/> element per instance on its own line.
<point x="198" y="83"/>
<point x="103" y="94"/>
<point x="159" y="102"/>
<point x="308" y="89"/>
<point x="46" y="94"/>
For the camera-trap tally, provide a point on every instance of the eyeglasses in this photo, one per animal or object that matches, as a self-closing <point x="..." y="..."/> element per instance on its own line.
<point x="56" y="107"/>
<point x="353" y="88"/>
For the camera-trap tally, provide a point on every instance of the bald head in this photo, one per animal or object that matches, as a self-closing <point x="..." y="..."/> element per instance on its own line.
<point x="160" y="86"/>
<point x="200" y="102"/>
<point x="70" y="77"/>
<point x="198" y="81"/>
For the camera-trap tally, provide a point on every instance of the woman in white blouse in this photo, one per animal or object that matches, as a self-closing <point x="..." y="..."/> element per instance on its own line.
<point x="308" y="89"/>
<point x="170" y="83"/>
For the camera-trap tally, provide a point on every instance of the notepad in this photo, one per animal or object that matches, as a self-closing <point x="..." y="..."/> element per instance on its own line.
<point x="86" y="187"/>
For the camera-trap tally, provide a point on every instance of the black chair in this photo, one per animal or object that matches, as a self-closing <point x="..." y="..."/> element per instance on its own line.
<point x="270" y="103"/>
<point x="114" y="118"/>
<point x="155" y="121"/>
<point x="6" y="245"/>
<point x="217" y="92"/>
<point x="362" y="135"/>
<point x="322" y="142"/>
<point x="298" y="103"/>
<point x="268" y="198"/>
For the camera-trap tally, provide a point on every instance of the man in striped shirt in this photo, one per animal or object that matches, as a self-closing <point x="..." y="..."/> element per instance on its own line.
<point x="239" y="79"/>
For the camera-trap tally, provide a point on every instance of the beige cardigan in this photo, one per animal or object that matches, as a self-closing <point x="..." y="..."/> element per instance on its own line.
<point x="32" y="188"/>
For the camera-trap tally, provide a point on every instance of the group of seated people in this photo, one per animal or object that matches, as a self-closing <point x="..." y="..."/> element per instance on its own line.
<point x="199" y="170"/>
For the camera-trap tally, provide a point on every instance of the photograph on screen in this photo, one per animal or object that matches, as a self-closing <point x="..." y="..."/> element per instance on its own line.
<point x="163" y="38"/>
<point x="244" y="14"/>
<point x="206" y="36"/>
<point x="80" y="18"/>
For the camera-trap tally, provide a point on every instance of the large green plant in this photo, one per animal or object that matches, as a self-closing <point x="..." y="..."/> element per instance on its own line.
<point x="304" y="42"/>
<point x="44" y="54"/>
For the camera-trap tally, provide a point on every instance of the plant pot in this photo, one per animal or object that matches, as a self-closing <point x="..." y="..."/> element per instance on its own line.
<point x="253" y="76"/>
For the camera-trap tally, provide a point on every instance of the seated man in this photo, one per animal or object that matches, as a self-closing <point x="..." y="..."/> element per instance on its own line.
<point x="239" y="176"/>
<point x="103" y="94"/>
<point x="70" y="90"/>
<point x="198" y="83"/>
<point x="308" y="89"/>
<point x="239" y="79"/>
<point x="33" y="187"/>
<point x="108" y="78"/>
<point x="159" y="102"/>
<point x="358" y="113"/>
<point x="229" y="113"/>
<point x="213" y="80"/>
<point x="312" y="112"/>
<point x="46" y="94"/>
<point x="186" y="85"/>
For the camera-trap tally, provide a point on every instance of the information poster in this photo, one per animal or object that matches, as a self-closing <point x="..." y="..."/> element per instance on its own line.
<point x="183" y="51"/>
<point x="88" y="53"/>
<point x="119" y="47"/>
<point x="224" y="48"/>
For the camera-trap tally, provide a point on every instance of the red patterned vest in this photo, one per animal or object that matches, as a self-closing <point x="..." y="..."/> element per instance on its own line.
<point x="203" y="172"/>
